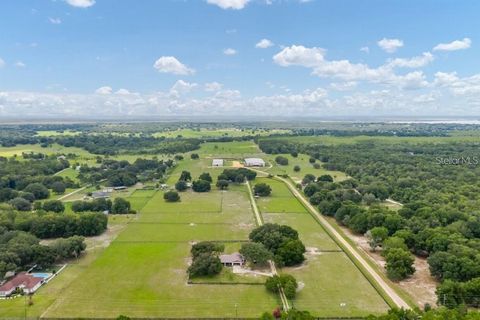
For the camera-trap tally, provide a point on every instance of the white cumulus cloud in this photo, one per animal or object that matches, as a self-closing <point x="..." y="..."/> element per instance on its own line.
<point x="299" y="56"/>
<point x="81" y="3"/>
<point x="264" y="43"/>
<point x="314" y="58"/>
<point x="104" y="90"/>
<point x="169" y="64"/>
<point x="229" y="4"/>
<point x="230" y="52"/>
<point x="213" y="86"/>
<point x="415" y="62"/>
<point x="390" y="45"/>
<point x="122" y="91"/>
<point x="181" y="87"/>
<point x="454" y="45"/>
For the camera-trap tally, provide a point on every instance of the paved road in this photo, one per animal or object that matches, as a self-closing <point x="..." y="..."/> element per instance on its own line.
<point x="258" y="217"/>
<point x="326" y="224"/>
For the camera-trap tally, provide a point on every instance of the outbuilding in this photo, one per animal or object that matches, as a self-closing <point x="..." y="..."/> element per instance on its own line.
<point x="254" y="162"/>
<point x="217" y="163"/>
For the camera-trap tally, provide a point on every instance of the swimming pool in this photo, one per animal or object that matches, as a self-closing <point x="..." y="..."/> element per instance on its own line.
<point x="44" y="275"/>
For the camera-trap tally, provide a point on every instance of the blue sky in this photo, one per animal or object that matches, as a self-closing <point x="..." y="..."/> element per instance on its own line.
<point x="81" y="58"/>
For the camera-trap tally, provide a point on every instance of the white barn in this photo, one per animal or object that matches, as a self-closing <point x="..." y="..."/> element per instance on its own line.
<point x="217" y="163"/>
<point x="254" y="162"/>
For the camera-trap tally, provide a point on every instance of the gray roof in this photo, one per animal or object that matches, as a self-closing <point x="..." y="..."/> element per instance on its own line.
<point x="254" y="162"/>
<point x="232" y="258"/>
<point x="100" y="194"/>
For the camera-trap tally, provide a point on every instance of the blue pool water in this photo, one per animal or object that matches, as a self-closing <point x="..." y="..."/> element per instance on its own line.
<point x="43" y="275"/>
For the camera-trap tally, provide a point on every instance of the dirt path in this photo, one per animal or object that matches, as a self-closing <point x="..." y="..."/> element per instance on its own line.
<point x="71" y="193"/>
<point x="421" y="285"/>
<point x="394" y="202"/>
<point x="258" y="217"/>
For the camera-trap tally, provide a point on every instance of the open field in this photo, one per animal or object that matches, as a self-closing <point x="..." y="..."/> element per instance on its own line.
<point x="36" y="148"/>
<point x="305" y="168"/>
<point x="217" y="133"/>
<point x="229" y="149"/>
<point x="333" y="140"/>
<point x="280" y="200"/>
<point x="70" y="173"/>
<point x="333" y="286"/>
<point x="156" y="245"/>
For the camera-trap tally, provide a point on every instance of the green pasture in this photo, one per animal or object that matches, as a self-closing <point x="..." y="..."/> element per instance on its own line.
<point x="237" y="149"/>
<point x="305" y="168"/>
<point x="332" y="286"/>
<point x="280" y="200"/>
<point x="217" y="133"/>
<point x="69" y="173"/>
<point x="333" y="140"/>
<point x="157" y="247"/>
<point x="154" y="284"/>
<point x="310" y="232"/>
<point x="36" y="148"/>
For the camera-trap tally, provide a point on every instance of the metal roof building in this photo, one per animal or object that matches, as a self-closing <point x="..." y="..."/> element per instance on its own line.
<point x="217" y="163"/>
<point x="254" y="162"/>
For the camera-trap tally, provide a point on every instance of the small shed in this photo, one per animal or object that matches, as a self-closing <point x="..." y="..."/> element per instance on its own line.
<point x="217" y="163"/>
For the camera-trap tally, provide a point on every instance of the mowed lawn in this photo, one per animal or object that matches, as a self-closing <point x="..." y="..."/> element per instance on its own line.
<point x="149" y="280"/>
<point x="334" y="287"/>
<point x="280" y="200"/>
<point x="143" y="272"/>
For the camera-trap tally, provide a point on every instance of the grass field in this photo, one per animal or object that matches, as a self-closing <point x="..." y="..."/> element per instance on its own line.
<point x="330" y="283"/>
<point x="230" y="149"/>
<point x="70" y="173"/>
<point x="333" y="286"/>
<point x="217" y="133"/>
<point x="305" y="168"/>
<point x="156" y="246"/>
<point x="280" y="200"/>
<point x="332" y="140"/>
<point x="36" y="148"/>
